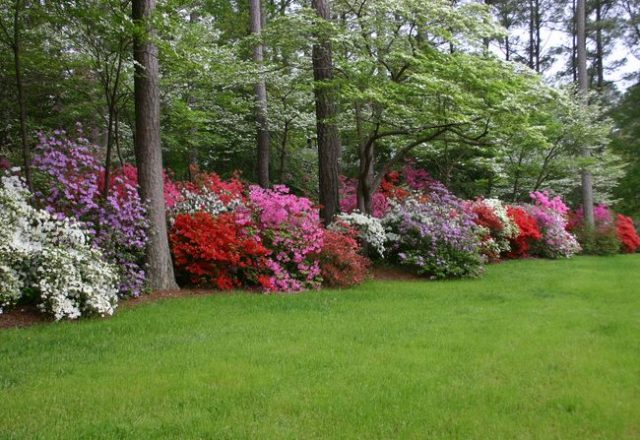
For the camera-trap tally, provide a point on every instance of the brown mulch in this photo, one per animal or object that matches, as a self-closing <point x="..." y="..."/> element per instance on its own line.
<point x="26" y="316"/>
<point x="395" y="273"/>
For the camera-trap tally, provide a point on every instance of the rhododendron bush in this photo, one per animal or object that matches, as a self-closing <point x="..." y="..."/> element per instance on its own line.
<point x="49" y="260"/>
<point x="72" y="186"/>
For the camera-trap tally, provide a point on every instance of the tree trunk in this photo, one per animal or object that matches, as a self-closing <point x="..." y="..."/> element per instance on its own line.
<point x="599" y="48"/>
<point x="327" y="130"/>
<point x="583" y="85"/>
<point x="255" y="11"/>
<point x="147" y="147"/>
<point x="22" y="106"/>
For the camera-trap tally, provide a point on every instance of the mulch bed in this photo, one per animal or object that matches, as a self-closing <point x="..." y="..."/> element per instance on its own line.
<point x="28" y="315"/>
<point x="23" y="317"/>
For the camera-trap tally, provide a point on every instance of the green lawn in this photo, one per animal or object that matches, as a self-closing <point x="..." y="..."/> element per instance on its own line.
<point x="534" y="349"/>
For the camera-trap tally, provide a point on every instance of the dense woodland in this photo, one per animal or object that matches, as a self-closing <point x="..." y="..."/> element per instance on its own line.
<point x="495" y="99"/>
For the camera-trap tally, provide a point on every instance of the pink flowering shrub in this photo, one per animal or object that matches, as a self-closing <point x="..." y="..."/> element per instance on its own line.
<point x="552" y="218"/>
<point x="290" y="227"/>
<point x="129" y="175"/>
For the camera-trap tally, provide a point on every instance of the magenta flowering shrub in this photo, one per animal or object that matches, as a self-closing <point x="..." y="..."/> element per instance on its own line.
<point x="71" y="182"/>
<point x="290" y="227"/>
<point x="552" y="216"/>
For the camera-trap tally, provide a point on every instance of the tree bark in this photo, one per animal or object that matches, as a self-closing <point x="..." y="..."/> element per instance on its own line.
<point x="22" y="106"/>
<point x="327" y="130"/>
<point x="255" y="11"/>
<point x="583" y="87"/>
<point x="147" y="147"/>
<point x="599" y="48"/>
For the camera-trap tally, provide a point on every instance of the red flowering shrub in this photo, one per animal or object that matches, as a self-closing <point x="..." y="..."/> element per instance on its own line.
<point x="627" y="234"/>
<point x="341" y="263"/>
<point x="486" y="217"/>
<point x="226" y="190"/>
<point x="529" y="232"/>
<point x="218" y="251"/>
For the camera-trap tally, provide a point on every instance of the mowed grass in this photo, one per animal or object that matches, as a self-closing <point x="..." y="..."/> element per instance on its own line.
<point x="534" y="349"/>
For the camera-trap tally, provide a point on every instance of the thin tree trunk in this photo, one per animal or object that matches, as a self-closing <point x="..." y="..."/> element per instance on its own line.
<point x="261" y="98"/>
<point x="574" y="42"/>
<point x="22" y="106"/>
<point x="599" y="48"/>
<point x="147" y="147"/>
<point x="283" y="149"/>
<point x="327" y="130"/>
<point x="583" y="86"/>
<point x="537" y="45"/>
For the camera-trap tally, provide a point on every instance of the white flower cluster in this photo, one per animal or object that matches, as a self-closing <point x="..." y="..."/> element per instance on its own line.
<point x="204" y="201"/>
<point x="511" y="229"/>
<point x="51" y="258"/>
<point x="370" y="229"/>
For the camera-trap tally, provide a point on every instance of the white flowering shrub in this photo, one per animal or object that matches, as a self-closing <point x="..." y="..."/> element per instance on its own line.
<point x="370" y="230"/>
<point x="51" y="259"/>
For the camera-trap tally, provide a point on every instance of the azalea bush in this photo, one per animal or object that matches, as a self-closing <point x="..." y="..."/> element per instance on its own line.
<point x="369" y="231"/>
<point x="341" y="261"/>
<point x="552" y="217"/>
<point x="602" y="239"/>
<point x="71" y="185"/>
<point x="290" y="227"/>
<point x="221" y="251"/>
<point x="627" y="234"/>
<point x="497" y="229"/>
<point x="528" y="232"/>
<point x="435" y="235"/>
<point x="49" y="261"/>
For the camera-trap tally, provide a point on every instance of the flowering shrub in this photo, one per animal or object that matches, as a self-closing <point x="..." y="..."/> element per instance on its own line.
<point x="601" y="240"/>
<point x="497" y="229"/>
<point x="437" y="236"/>
<point x="73" y="188"/>
<point x="627" y="234"/>
<point x="551" y="215"/>
<point x="369" y="230"/>
<point x="290" y="227"/>
<point x="219" y="251"/>
<point x="341" y="263"/>
<point x="209" y="193"/>
<point x="528" y="232"/>
<point x="129" y="176"/>
<point x="349" y="198"/>
<point x="50" y="258"/>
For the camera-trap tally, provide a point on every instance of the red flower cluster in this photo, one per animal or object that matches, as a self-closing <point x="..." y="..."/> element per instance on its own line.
<point x="627" y="234"/>
<point x="529" y="232"/>
<point x="486" y="217"/>
<point x="226" y="190"/>
<point x="341" y="263"/>
<point x="218" y="251"/>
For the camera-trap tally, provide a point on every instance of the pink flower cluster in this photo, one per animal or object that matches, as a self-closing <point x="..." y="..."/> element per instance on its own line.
<point x="290" y="226"/>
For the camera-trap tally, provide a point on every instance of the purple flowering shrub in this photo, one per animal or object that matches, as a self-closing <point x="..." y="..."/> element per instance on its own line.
<point x="71" y="183"/>
<point x="290" y="227"/>
<point x="434" y="234"/>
